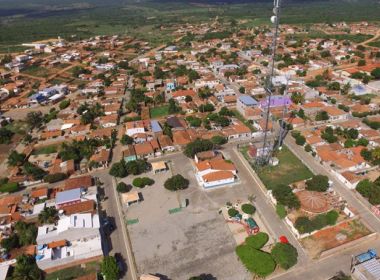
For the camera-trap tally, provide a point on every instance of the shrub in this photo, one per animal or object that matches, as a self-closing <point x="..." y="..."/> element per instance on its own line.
<point x="198" y="146"/>
<point x="232" y="212"/>
<point x="364" y="187"/>
<point x="56" y="177"/>
<point x="122" y="187"/>
<point x="281" y="211"/>
<point x="248" y="208"/>
<point x="332" y="217"/>
<point x="319" y="183"/>
<point x="308" y="148"/>
<point x="304" y="225"/>
<point x="142" y="182"/>
<point x="9" y="188"/>
<point x="64" y="104"/>
<point x="285" y="196"/>
<point x="256" y="261"/>
<point x="177" y="182"/>
<point x="285" y="255"/>
<point x="257" y="241"/>
<point x="300" y="140"/>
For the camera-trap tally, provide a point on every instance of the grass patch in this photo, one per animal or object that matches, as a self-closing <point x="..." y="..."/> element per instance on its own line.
<point x="158" y="112"/>
<point x="375" y="44"/>
<point x="9" y="188"/>
<point x="17" y="127"/>
<point x="289" y="170"/>
<point x="36" y="71"/>
<point x="46" y="150"/>
<point x="243" y="120"/>
<point x="74" y="272"/>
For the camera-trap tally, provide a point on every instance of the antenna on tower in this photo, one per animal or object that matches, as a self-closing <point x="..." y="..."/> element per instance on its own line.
<point x="267" y="148"/>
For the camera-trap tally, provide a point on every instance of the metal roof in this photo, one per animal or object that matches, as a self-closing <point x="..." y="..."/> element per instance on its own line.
<point x="247" y="100"/>
<point x="67" y="196"/>
<point x="372" y="267"/>
<point x="155" y="126"/>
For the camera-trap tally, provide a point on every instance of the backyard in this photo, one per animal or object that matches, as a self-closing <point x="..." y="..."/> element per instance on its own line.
<point x="45" y="150"/>
<point x="74" y="272"/>
<point x="159" y="112"/>
<point x="289" y="170"/>
<point x="332" y="237"/>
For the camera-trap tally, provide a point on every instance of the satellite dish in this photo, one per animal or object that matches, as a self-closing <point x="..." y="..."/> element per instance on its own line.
<point x="273" y="19"/>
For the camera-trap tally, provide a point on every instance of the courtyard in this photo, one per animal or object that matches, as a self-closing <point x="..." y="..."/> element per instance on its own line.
<point x="196" y="238"/>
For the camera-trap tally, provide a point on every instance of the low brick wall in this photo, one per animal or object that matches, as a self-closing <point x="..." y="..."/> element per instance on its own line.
<point x="370" y="237"/>
<point x="74" y="263"/>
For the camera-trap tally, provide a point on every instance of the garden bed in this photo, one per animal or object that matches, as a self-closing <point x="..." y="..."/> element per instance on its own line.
<point x="329" y="238"/>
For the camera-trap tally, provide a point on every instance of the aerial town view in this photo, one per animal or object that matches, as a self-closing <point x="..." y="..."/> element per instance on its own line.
<point x="190" y="140"/>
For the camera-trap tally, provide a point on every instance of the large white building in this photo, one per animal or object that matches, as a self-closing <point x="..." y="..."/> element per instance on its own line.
<point x="74" y="239"/>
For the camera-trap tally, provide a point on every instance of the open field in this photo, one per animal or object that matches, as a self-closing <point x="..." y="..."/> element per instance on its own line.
<point x="289" y="170"/>
<point x="35" y="21"/>
<point x="159" y="112"/>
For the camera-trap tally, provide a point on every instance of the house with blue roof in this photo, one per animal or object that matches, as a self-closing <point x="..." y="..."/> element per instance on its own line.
<point x="155" y="126"/>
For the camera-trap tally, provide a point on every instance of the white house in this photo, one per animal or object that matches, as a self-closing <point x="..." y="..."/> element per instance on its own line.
<point x="74" y="239"/>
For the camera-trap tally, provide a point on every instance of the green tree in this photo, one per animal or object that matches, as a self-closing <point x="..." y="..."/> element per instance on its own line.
<point x="142" y="182"/>
<point x="258" y="240"/>
<point x="248" y="208"/>
<point x="5" y="135"/>
<point x="219" y="140"/>
<point x="64" y="104"/>
<point x="136" y="167"/>
<point x="199" y="145"/>
<point x="319" y="183"/>
<point x="122" y="187"/>
<point x="34" y="119"/>
<point x="109" y="268"/>
<point x="10" y="243"/>
<point x="26" y="269"/>
<point x="285" y="255"/>
<point x="256" y="261"/>
<point x="27" y="233"/>
<point x="298" y="98"/>
<point x="48" y="216"/>
<point x="375" y="73"/>
<point x="232" y="212"/>
<point x="285" y="196"/>
<point x="16" y="159"/>
<point x="118" y="169"/>
<point x="126" y="140"/>
<point x="173" y="107"/>
<point x="365" y="187"/>
<point x="32" y="170"/>
<point x="322" y="116"/>
<point x="56" y="177"/>
<point x="176" y="182"/>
